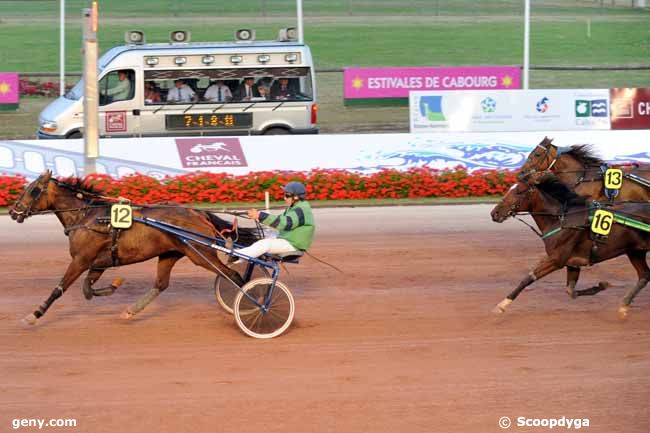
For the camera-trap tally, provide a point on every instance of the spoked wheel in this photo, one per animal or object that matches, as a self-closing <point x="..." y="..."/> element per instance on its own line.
<point x="225" y="291"/>
<point x="264" y="324"/>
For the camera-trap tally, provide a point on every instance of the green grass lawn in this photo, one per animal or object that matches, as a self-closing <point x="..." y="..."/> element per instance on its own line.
<point x="145" y="8"/>
<point x="350" y="33"/>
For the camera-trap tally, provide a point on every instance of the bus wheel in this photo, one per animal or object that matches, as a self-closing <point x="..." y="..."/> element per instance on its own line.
<point x="75" y="134"/>
<point x="276" y="131"/>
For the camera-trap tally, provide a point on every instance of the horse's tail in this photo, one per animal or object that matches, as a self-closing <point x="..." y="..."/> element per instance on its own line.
<point x="242" y="235"/>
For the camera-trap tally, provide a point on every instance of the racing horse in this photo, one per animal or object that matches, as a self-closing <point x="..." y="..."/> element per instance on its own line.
<point x="579" y="168"/>
<point x="563" y="220"/>
<point x="95" y="246"/>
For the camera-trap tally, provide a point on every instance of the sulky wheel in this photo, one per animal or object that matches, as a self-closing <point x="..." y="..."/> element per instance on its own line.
<point x="225" y="291"/>
<point x="253" y="320"/>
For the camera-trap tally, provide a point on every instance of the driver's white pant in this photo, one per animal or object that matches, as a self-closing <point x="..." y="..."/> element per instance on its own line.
<point x="273" y="246"/>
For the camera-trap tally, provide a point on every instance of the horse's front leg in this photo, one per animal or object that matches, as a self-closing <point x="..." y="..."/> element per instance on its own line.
<point x="572" y="275"/>
<point x="75" y="269"/>
<point x="543" y="268"/>
<point x="92" y="277"/>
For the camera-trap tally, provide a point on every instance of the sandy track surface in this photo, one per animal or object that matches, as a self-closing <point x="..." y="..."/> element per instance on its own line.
<point x="403" y="342"/>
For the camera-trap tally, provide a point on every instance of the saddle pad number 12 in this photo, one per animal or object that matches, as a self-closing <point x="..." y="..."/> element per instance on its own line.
<point x="613" y="178"/>
<point x="121" y="216"/>
<point x="602" y="222"/>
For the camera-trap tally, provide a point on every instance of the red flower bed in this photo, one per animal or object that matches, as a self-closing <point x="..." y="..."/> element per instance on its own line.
<point x="38" y="88"/>
<point x="200" y="187"/>
<point x="10" y="188"/>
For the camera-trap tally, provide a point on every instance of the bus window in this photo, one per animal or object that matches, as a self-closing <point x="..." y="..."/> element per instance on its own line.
<point x="283" y="83"/>
<point x="116" y="86"/>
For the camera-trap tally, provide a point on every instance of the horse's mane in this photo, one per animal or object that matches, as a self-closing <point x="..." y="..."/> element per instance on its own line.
<point x="84" y="185"/>
<point x="585" y="155"/>
<point x="551" y="186"/>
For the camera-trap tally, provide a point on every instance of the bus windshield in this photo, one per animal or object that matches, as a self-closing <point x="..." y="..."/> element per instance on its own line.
<point x="241" y="85"/>
<point x="76" y="92"/>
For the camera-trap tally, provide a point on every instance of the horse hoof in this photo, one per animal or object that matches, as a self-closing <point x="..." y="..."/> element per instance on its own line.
<point x="603" y="285"/>
<point x="117" y="282"/>
<point x="623" y="312"/>
<point x="88" y="291"/>
<point x="572" y="293"/>
<point x="501" y="306"/>
<point x="30" y="319"/>
<point x="126" y="315"/>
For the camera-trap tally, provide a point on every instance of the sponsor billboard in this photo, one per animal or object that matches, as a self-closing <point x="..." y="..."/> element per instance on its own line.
<point x="9" y="89"/>
<point x="513" y="110"/>
<point x="365" y="153"/>
<point x="630" y="108"/>
<point x="392" y="85"/>
<point x="199" y="153"/>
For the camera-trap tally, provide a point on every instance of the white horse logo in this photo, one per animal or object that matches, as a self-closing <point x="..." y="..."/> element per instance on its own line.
<point x="213" y="147"/>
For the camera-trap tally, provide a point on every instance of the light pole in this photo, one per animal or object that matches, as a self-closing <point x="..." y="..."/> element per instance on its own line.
<point x="299" y="12"/>
<point x="62" y="49"/>
<point x="91" y="110"/>
<point x="526" y="42"/>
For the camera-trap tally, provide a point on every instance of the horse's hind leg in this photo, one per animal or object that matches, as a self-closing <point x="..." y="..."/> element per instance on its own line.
<point x="75" y="269"/>
<point x="165" y="264"/>
<point x="639" y="262"/>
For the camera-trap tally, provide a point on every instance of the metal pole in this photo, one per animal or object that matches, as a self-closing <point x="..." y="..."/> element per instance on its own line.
<point x="62" y="50"/>
<point x="301" y="38"/>
<point x="91" y="110"/>
<point x="526" y="42"/>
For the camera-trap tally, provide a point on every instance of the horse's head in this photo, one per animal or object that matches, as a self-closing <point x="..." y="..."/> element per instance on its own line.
<point x="540" y="159"/>
<point x="33" y="198"/>
<point x="518" y="199"/>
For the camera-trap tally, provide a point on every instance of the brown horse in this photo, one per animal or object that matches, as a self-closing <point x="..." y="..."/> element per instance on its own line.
<point x="563" y="218"/>
<point x="95" y="246"/>
<point x="579" y="168"/>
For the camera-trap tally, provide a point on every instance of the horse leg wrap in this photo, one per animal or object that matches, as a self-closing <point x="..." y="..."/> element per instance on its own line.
<point x="109" y="290"/>
<point x="31" y="319"/>
<point x="144" y="301"/>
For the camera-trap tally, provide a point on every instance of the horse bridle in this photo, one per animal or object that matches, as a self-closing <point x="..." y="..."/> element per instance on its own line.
<point x="36" y="194"/>
<point x="547" y="152"/>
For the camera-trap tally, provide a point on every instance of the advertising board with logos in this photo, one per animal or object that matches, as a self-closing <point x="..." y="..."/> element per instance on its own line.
<point x="630" y="108"/>
<point x="513" y="110"/>
<point x="365" y="153"/>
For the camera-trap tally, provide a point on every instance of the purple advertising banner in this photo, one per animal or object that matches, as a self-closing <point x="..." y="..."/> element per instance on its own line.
<point x="373" y="83"/>
<point x="9" y="90"/>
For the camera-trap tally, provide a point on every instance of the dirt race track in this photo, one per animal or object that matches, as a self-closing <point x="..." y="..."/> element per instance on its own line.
<point x="405" y="341"/>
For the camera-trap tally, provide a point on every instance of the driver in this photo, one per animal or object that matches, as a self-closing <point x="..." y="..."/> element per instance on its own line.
<point x="296" y="225"/>
<point x="121" y="90"/>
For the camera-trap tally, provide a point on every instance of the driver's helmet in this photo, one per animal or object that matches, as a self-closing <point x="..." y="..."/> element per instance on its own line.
<point x="295" y="188"/>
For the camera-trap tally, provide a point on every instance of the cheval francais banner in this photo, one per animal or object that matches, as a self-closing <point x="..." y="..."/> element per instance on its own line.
<point x="392" y="85"/>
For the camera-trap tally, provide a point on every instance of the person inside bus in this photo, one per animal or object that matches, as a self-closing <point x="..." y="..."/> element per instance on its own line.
<point x="121" y="91"/>
<point x="264" y="92"/>
<point x="181" y="93"/>
<point x="247" y="90"/>
<point x="281" y="90"/>
<point x="296" y="226"/>
<point x="151" y="94"/>
<point x="218" y="92"/>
